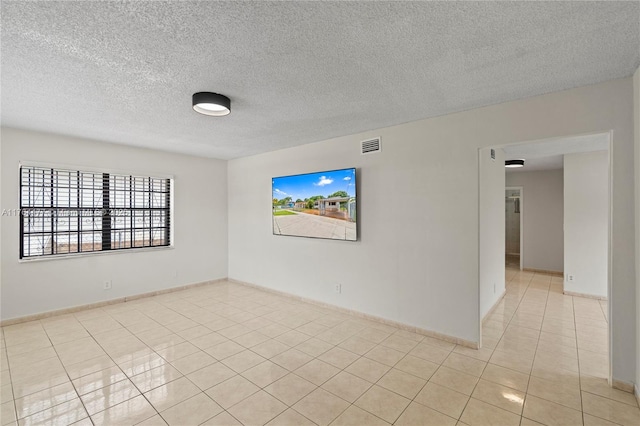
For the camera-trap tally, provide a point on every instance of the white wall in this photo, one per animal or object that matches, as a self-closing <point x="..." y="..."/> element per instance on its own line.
<point x="586" y="222"/>
<point x="636" y="116"/>
<point x="542" y="215"/>
<point x="402" y="267"/>
<point x="1" y="239"/>
<point x="492" y="229"/>
<point x="417" y="258"/>
<point x="200" y="225"/>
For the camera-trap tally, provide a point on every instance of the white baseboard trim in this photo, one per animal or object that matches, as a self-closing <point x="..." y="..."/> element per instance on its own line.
<point x="73" y="309"/>
<point x="495" y="305"/>
<point x="401" y="326"/>
<point x="544" y="271"/>
<point x="587" y="296"/>
<point x="637" y="393"/>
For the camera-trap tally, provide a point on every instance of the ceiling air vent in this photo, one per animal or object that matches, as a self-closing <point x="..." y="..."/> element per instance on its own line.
<point x="371" y="145"/>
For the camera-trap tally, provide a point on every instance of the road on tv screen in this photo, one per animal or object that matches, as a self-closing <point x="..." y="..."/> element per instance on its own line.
<point x="308" y="225"/>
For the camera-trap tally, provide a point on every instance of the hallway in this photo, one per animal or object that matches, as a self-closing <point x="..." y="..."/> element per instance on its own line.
<point x="553" y="347"/>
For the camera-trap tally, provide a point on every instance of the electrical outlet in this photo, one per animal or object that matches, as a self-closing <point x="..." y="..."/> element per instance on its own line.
<point x="570" y="278"/>
<point x="107" y="285"/>
<point x="338" y="288"/>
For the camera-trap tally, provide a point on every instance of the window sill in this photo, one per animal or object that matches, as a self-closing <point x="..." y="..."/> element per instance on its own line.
<point x="94" y="253"/>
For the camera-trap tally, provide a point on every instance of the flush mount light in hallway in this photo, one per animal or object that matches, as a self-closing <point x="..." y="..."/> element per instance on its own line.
<point x="514" y="163"/>
<point x="208" y="103"/>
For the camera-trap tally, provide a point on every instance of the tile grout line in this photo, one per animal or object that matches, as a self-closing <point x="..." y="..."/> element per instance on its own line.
<point x="311" y="360"/>
<point x="344" y="369"/>
<point x="168" y="362"/>
<point x="115" y="364"/>
<point x="575" y="324"/>
<point x="534" y="359"/>
<point x="412" y="400"/>
<point x="520" y="300"/>
<point x="582" y="412"/>
<point x="184" y="375"/>
<point x="67" y="373"/>
<point x="488" y="361"/>
<point x="13" y="395"/>
<point x="536" y="351"/>
<point x="12" y="382"/>
<point x="249" y="349"/>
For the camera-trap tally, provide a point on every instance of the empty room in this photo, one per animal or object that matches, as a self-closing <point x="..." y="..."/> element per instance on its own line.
<point x="304" y="213"/>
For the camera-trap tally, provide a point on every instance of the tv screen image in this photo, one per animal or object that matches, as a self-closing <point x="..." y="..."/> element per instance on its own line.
<point x="316" y="205"/>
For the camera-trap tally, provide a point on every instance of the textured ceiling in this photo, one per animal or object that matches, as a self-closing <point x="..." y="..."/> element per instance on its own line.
<point x="296" y="72"/>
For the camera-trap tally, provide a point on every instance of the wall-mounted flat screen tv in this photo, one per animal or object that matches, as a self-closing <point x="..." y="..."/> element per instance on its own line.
<point x="316" y="205"/>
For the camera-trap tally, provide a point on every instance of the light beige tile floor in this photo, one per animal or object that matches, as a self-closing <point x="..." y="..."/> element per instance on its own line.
<point x="227" y="354"/>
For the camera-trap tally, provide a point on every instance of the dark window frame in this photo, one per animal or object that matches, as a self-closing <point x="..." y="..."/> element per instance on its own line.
<point x="69" y="212"/>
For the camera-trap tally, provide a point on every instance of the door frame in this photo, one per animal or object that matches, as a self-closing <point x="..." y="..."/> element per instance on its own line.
<point x="610" y="308"/>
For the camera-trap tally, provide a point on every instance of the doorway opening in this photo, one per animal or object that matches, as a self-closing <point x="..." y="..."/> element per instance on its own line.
<point x="550" y="317"/>
<point x="513" y="212"/>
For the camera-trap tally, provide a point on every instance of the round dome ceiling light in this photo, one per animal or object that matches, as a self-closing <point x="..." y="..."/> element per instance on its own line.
<point x="514" y="163"/>
<point x="213" y="104"/>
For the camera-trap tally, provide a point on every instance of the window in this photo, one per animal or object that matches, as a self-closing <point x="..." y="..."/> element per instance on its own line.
<point x="70" y="211"/>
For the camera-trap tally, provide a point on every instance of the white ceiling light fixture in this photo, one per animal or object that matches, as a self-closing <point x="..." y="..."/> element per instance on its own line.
<point x="213" y="104"/>
<point x="512" y="164"/>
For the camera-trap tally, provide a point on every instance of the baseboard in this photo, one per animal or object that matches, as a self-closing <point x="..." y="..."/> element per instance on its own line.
<point x="401" y="326"/>
<point x="73" y="309"/>
<point x="544" y="271"/>
<point x="587" y="296"/>
<point x="637" y="393"/>
<point x="495" y="305"/>
<point x="623" y="386"/>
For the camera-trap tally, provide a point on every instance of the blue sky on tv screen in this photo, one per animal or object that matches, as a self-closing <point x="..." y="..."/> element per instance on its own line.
<point x="321" y="183"/>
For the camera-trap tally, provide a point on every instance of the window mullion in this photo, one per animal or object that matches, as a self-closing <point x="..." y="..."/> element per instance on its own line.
<point x="131" y="224"/>
<point x="106" y="213"/>
<point x="78" y="205"/>
<point x="51" y="212"/>
<point x="149" y="215"/>
<point x="167" y="220"/>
